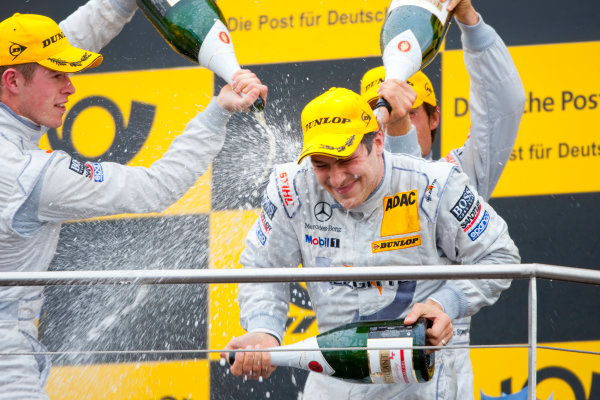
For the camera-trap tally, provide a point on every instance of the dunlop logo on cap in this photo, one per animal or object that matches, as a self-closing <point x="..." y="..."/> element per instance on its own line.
<point x="326" y="120"/>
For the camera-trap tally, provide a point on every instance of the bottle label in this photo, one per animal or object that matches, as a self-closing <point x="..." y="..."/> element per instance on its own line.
<point x="402" y="56"/>
<point x="394" y="365"/>
<point x="217" y="53"/>
<point x="433" y="6"/>
<point x="307" y="360"/>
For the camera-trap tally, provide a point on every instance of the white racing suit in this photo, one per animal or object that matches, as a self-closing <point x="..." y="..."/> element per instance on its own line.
<point x="496" y="104"/>
<point x="27" y="240"/>
<point x="39" y="189"/>
<point x="422" y="213"/>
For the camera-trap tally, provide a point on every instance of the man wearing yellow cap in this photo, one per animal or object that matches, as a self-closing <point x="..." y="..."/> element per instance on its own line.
<point x="497" y="100"/>
<point x="39" y="189"/>
<point x="347" y="202"/>
<point x="496" y="97"/>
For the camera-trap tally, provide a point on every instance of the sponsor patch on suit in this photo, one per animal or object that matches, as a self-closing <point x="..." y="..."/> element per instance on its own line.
<point x="400" y="214"/>
<point x="395" y="244"/>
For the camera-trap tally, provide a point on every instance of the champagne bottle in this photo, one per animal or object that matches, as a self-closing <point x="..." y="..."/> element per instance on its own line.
<point x="196" y="29"/>
<point x="397" y="364"/>
<point x="411" y="37"/>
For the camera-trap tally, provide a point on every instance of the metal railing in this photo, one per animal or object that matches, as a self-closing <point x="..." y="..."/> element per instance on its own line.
<point x="446" y="272"/>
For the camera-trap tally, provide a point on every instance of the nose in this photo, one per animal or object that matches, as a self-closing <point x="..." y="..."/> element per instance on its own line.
<point x="337" y="175"/>
<point x="69" y="88"/>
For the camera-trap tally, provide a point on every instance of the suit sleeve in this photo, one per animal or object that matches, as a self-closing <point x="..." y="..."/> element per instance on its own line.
<point x="469" y="231"/>
<point x="93" y="25"/>
<point x="496" y="102"/>
<point x="72" y="189"/>
<point x="271" y="243"/>
<point x="405" y="144"/>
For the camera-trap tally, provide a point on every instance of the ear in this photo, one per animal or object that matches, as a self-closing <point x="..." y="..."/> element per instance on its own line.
<point x="434" y="119"/>
<point x="378" y="142"/>
<point x="12" y="80"/>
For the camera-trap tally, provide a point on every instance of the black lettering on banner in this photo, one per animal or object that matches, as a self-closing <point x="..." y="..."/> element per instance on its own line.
<point x="461" y="107"/>
<point x="128" y="140"/>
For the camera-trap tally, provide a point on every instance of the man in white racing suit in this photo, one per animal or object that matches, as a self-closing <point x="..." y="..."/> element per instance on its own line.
<point x="350" y="203"/>
<point x="497" y="100"/>
<point x="39" y="189"/>
<point x="496" y="104"/>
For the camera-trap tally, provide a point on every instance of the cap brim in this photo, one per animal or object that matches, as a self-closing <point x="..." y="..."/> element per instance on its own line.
<point x="333" y="148"/>
<point x="72" y="60"/>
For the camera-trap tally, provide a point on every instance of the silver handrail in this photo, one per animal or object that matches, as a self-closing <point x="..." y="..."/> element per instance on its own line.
<point x="250" y="275"/>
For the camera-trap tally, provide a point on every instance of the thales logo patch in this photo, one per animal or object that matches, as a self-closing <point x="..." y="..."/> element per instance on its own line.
<point x="395" y="244"/>
<point x="400" y="214"/>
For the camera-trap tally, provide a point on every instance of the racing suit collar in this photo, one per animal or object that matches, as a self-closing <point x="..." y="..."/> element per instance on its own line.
<point x="13" y="124"/>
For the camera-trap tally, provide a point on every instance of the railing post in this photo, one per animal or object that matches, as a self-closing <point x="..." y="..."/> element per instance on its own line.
<point x="531" y="393"/>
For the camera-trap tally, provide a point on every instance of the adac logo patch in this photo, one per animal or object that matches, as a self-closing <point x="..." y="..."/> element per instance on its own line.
<point x="395" y="244"/>
<point x="400" y="214"/>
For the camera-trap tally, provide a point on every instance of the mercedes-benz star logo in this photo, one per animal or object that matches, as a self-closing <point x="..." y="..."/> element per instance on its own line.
<point x="323" y="211"/>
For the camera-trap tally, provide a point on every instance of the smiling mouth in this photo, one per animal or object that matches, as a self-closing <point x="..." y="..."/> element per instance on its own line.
<point x="346" y="188"/>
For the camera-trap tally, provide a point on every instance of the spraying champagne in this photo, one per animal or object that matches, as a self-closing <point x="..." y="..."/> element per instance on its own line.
<point x="388" y="358"/>
<point x="196" y="29"/>
<point x="411" y="37"/>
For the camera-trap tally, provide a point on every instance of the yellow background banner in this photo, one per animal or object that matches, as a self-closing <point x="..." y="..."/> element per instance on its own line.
<point x="180" y="380"/>
<point x="271" y="31"/>
<point x="568" y="375"/>
<point x="177" y="95"/>
<point x="558" y="145"/>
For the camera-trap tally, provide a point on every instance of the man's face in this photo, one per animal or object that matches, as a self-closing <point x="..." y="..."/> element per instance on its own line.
<point x="43" y="98"/>
<point x="424" y="125"/>
<point x="350" y="181"/>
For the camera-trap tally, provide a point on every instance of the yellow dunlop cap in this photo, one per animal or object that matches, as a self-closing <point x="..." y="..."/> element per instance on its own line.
<point x="31" y="38"/>
<point x="370" y="83"/>
<point x="335" y="122"/>
<point x="419" y="82"/>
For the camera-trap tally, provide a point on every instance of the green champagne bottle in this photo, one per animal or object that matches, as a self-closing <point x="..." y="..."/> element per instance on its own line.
<point x="398" y="363"/>
<point x="411" y="37"/>
<point x="196" y="29"/>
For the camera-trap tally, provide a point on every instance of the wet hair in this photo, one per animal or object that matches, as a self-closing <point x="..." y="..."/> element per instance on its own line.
<point x="430" y="110"/>
<point x="367" y="140"/>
